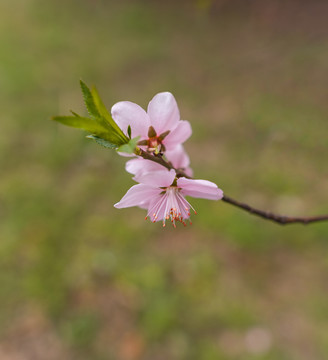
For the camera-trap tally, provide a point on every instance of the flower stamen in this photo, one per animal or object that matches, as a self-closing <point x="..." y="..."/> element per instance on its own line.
<point x="170" y="206"/>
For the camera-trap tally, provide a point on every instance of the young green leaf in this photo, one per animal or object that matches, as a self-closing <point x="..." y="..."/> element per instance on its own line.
<point x="79" y="122"/>
<point x="101" y="125"/>
<point x="102" y="142"/>
<point x="91" y="126"/>
<point x="104" y="113"/>
<point x="130" y="146"/>
<point x="98" y="112"/>
<point x="89" y="101"/>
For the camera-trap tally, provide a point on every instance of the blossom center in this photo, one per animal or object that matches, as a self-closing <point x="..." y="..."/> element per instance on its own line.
<point x="171" y="205"/>
<point x="154" y="142"/>
<point x="155" y="145"/>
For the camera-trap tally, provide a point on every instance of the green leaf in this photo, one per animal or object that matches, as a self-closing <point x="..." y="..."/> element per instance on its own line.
<point x="104" y="113"/>
<point x="98" y="112"/>
<point x="81" y="123"/>
<point x="100" y="105"/>
<point x="129" y="131"/>
<point x="102" y="142"/>
<point x="91" y="126"/>
<point x="89" y="101"/>
<point x="130" y="146"/>
<point x="101" y="125"/>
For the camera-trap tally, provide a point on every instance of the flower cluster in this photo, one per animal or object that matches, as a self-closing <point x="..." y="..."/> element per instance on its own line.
<point x="162" y="166"/>
<point x="161" y="134"/>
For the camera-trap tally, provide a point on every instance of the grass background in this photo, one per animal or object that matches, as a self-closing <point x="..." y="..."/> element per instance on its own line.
<point x="82" y="280"/>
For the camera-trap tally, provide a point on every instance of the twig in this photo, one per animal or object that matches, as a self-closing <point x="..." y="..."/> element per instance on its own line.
<point x="156" y="158"/>
<point x="280" y="219"/>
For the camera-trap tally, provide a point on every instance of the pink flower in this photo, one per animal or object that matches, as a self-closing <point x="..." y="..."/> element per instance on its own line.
<point x="159" y="128"/>
<point x="164" y="195"/>
<point x="177" y="156"/>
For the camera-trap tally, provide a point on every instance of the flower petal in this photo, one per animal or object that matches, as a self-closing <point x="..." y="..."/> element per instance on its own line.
<point x="145" y="205"/>
<point x="178" y="135"/>
<point x="178" y="157"/>
<point x="137" y="195"/>
<point x="188" y="171"/>
<point x="127" y="113"/>
<point x="200" y="189"/>
<point x="163" y="112"/>
<point x="156" y="208"/>
<point x="163" y="178"/>
<point x="139" y="166"/>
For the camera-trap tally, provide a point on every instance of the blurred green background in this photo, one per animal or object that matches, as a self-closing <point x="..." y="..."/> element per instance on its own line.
<point x="82" y="280"/>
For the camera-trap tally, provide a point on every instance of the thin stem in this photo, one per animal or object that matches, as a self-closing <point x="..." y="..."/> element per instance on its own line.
<point x="156" y="158"/>
<point x="279" y="219"/>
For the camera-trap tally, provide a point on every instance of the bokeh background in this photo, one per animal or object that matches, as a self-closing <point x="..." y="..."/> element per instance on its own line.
<point x="82" y="280"/>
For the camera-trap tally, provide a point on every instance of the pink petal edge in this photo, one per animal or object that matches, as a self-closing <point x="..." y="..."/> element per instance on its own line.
<point x="139" y="166"/>
<point x="200" y="189"/>
<point x="178" y="135"/>
<point x="163" y="112"/>
<point x="158" y="179"/>
<point x="127" y="113"/>
<point x="137" y="195"/>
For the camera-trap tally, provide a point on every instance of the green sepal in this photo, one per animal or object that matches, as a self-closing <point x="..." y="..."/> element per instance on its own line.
<point x="151" y="132"/>
<point x="102" y="142"/>
<point x="130" y="147"/>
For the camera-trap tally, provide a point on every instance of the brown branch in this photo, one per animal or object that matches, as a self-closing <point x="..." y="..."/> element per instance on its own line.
<point x="156" y="158"/>
<point x="280" y="219"/>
